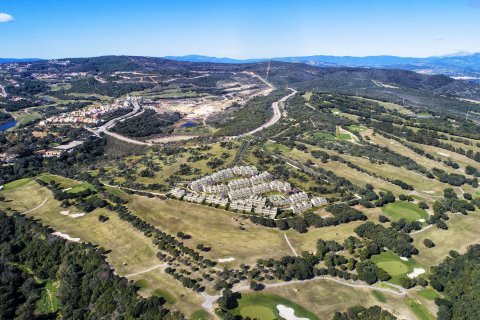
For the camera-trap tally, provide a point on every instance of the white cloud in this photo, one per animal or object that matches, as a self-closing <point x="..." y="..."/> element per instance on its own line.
<point x="5" y="17"/>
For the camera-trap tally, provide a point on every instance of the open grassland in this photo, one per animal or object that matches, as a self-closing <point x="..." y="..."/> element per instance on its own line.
<point x="389" y="105"/>
<point x="15" y="196"/>
<point x="127" y="245"/>
<point x="405" y="151"/>
<point x="420" y="311"/>
<point x="220" y="230"/>
<point x="444" y="154"/>
<point x="170" y="165"/>
<point x="158" y="283"/>
<point x="404" y="210"/>
<point x="462" y="232"/>
<point x="324" y="298"/>
<point x="264" y="307"/>
<point x="340" y="169"/>
<point x="61" y="181"/>
<point x="128" y="250"/>
<point x="16" y="184"/>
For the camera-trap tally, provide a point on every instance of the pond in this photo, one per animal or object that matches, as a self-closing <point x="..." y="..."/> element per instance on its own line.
<point x="7" y="125"/>
<point x="189" y="124"/>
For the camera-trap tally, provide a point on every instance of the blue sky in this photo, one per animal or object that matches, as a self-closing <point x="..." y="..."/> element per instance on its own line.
<point x="237" y="29"/>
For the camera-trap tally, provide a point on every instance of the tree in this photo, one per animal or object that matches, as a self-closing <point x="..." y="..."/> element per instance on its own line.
<point x="229" y="299"/>
<point x="428" y="243"/>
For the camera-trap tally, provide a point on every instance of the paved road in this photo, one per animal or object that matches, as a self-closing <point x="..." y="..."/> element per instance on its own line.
<point x="110" y="124"/>
<point x="277" y="115"/>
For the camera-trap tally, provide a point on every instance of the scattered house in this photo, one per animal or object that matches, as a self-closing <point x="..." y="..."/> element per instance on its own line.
<point x="50" y="153"/>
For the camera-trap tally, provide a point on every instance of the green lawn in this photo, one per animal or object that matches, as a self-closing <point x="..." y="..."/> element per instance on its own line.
<point x="264" y="307"/>
<point x="200" y="315"/>
<point x="407" y="210"/>
<point x="420" y="311"/>
<point x="428" y="293"/>
<point x="48" y="302"/>
<point x="395" y="266"/>
<point x="82" y="187"/>
<point x="165" y="295"/>
<point x="356" y="128"/>
<point x="379" y="296"/>
<point x="16" y="183"/>
<point x="323" y="135"/>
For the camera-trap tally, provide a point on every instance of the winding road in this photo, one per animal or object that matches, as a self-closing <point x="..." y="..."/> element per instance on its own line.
<point x="277" y="115"/>
<point x="110" y="124"/>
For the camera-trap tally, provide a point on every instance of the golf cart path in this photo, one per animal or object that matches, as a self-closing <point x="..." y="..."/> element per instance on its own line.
<point x="37" y="207"/>
<point x="401" y="291"/>
<point x="290" y="245"/>
<point x="146" y="270"/>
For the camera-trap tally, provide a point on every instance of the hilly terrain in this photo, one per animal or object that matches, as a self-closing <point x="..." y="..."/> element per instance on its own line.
<point x="149" y="188"/>
<point x="459" y="65"/>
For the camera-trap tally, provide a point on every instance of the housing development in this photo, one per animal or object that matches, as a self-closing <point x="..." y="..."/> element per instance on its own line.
<point x="244" y="189"/>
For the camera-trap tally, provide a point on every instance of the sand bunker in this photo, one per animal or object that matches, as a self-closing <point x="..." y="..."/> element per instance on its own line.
<point x="65" y="236"/>
<point x="226" y="259"/>
<point x="444" y="154"/>
<point x="288" y="313"/>
<point x="72" y="215"/>
<point x="421" y="220"/>
<point x="404" y="258"/>
<point x="416" y="272"/>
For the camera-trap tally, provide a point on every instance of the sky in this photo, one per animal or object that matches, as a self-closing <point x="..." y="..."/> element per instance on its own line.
<point x="237" y="29"/>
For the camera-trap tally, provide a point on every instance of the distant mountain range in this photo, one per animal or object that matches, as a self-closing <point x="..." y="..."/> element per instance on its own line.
<point x="13" y="60"/>
<point x="461" y="64"/>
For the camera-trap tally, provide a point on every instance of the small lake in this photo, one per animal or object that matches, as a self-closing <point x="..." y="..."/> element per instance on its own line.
<point x="7" y="125"/>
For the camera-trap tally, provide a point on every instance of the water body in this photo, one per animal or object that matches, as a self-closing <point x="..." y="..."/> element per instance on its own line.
<point x="189" y="124"/>
<point x="7" y="125"/>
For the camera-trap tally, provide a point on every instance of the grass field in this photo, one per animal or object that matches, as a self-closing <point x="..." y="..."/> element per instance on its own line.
<point x="264" y="307"/>
<point x="82" y="187"/>
<point x="428" y="293"/>
<point x="406" y="210"/>
<point x="129" y="251"/>
<point x="462" y="232"/>
<point x="16" y="184"/>
<point x="340" y="169"/>
<point x="379" y="296"/>
<point x="323" y="135"/>
<point x="419" y="310"/>
<point x="324" y="298"/>
<point x="48" y="302"/>
<point x="395" y="266"/>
